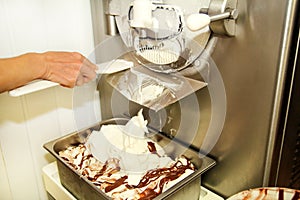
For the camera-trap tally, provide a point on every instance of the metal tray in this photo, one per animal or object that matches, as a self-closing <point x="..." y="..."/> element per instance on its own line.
<point x="82" y="188"/>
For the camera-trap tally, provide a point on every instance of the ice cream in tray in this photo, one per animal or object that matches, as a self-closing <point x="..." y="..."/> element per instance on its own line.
<point x="124" y="159"/>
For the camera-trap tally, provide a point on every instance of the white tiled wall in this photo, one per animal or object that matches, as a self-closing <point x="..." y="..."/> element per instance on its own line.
<point x="29" y="121"/>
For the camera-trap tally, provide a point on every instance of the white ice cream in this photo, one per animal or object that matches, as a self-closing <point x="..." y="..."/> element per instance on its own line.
<point x="129" y="144"/>
<point x="149" y="93"/>
<point x="125" y="164"/>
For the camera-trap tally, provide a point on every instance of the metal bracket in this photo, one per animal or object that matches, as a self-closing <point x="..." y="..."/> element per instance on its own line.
<point x="223" y="14"/>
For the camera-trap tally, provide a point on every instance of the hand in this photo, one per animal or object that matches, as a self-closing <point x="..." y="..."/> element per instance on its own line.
<point x="67" y="68"/>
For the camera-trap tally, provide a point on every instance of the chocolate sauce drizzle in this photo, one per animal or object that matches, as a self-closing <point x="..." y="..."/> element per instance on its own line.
<point x="296" y="195"/>
<point x="155" y="178"/>
<point x="263" y="192"/>
<point x="170" y="174"/>
<point x="116" y="184"/>
<point x="152" y="148"/>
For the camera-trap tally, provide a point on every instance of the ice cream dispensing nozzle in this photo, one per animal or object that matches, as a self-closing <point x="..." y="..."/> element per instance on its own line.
<point x="200" y="20"/>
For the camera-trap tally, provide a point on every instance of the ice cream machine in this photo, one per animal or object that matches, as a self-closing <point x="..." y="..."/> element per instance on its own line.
<point x="208" y="73"/>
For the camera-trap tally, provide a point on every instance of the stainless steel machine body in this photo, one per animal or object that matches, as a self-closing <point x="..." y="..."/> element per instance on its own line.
<point x="253" y="66"/>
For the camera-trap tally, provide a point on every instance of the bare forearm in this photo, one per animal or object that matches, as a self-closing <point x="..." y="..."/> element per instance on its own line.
<point x="18" y="71"/>
<point x="66" y="68"/>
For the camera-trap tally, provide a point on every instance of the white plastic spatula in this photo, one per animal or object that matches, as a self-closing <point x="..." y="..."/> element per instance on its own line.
<point x="113" y="66"/>
<point x="32" y="87"/>
<point x="110" y="67"/>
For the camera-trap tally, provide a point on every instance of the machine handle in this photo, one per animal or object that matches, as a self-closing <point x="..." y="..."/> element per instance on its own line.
<point x="198" y="21"/>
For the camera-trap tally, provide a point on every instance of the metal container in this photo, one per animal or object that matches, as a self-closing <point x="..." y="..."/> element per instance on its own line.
<point x="82" y="188"/>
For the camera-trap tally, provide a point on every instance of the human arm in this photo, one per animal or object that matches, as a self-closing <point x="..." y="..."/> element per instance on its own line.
<point x="66" y="68"/>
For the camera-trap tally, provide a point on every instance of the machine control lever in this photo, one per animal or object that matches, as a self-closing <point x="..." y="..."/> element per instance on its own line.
<point x="229" y="14"/>
<point x="200" y="20"/>
<point x="221" y="16"/>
